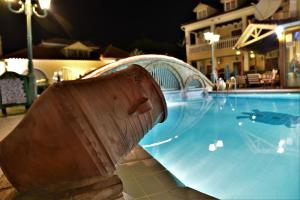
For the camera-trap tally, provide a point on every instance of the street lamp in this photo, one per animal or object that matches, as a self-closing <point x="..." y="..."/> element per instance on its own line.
<point x="212" y="39"/>
<point x="29" y="8"/>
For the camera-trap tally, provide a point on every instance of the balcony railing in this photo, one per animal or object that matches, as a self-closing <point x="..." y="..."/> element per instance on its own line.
<point x="222" y="44"/>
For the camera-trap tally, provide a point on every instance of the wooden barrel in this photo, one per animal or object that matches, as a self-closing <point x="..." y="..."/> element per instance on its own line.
<point x="82" y="128"/>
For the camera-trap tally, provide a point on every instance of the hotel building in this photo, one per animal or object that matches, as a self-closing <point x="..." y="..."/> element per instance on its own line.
<point x="248" y="42"/>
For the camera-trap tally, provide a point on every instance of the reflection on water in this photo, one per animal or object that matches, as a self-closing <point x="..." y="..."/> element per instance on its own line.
<point x="221" y="146"/>
<point x="273" y="118"/>
<point x="186" y="109"/>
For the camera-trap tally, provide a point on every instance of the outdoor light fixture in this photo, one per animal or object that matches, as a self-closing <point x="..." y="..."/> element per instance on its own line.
<point x="215" y="38"/>
<point x="29" y="8"/>
<point x="208" y="35"/>
<point x="212" y="39"/>
<point x="279" y="32"/>
<point x="45" y="4"/>
<point x="252" y="55"/>
<point x="238" y="52"/>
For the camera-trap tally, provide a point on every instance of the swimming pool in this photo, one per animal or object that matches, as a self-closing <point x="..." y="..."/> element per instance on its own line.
<point x="236" y="146"/>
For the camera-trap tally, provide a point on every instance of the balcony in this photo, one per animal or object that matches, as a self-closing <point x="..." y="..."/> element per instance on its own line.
<point x="223" y="48"/>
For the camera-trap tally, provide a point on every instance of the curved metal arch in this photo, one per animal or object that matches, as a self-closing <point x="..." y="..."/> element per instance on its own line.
<point x="147" y="60"/>
<point x="191" y="78"/>
<point x="167" y="66"/>
<point x="137" y="60"/>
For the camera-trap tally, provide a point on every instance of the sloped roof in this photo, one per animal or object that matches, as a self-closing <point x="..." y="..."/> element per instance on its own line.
<point x="114" y="52"/>
<point x="79" y="46"/>
<point x="66" y="42"/>
<point x="200" y="5"/>
<point x="219" y="6"/>
<point x="213" y="3"/>
<point x="48" y="52"/>
<point x="39" y="52"/>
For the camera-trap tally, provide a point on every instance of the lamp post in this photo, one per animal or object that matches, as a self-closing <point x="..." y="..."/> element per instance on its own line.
<point x="212" y="39"/>
<point x="29" y="8"/>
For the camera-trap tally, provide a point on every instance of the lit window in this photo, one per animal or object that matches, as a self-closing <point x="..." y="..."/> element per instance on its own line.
<point x="202" y="14"/>
<point x="230" y="5"/>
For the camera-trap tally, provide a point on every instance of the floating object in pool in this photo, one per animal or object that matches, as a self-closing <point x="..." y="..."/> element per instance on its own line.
<point x="81" y="129"/>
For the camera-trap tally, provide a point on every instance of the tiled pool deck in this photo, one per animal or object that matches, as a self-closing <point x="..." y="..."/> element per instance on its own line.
<point x="142" y="176"/>
<point x="258" y="90"/>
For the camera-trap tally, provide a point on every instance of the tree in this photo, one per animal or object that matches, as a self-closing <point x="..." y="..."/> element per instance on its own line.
<point x="136" y="52"/>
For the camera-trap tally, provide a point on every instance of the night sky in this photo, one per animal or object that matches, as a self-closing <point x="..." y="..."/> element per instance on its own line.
<point x="116" y="22"/>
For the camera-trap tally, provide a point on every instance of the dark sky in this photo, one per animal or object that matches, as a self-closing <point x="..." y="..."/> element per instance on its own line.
<point x="114" y="22"/>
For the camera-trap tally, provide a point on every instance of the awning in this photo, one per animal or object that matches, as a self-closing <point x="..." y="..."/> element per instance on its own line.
<point x="260" y="38"/>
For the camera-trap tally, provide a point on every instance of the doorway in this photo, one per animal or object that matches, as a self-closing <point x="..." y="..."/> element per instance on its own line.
<point x="237" y="68"/>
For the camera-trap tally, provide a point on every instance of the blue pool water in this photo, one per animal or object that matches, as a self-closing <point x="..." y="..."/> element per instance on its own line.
<point x="243" y="146"/>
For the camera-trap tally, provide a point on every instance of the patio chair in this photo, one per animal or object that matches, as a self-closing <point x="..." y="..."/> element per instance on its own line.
<point x="241" y="81"/>
<point x="270" y="78"/>
<point x="275" y="77"/>
<point x="254" y="79"/>
<point x="266" y="79"/>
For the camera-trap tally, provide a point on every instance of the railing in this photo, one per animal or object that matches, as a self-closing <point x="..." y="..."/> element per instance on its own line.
<point x="222" y="44"/>
<point x="165" y="78"/>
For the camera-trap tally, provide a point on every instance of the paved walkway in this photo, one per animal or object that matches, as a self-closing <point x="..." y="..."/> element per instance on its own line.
<point x="7" y="124"/>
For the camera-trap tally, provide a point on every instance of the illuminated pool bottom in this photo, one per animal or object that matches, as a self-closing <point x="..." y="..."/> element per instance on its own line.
<point x="231" y="146"/>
